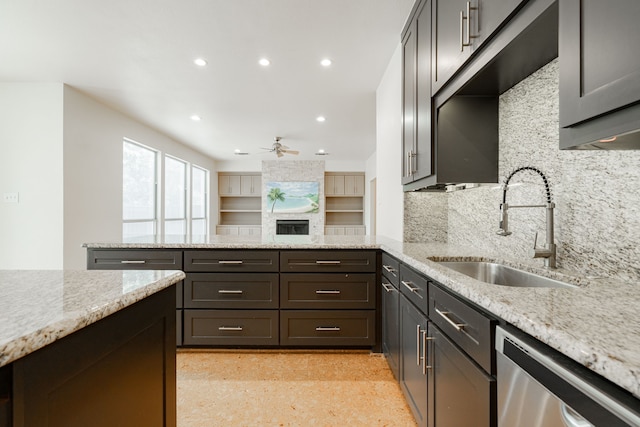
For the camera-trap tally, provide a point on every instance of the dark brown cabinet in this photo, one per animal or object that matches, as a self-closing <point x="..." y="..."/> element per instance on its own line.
<point x="460" y="27"/>
<point x="417" y="139"/>
<point x="599" y="73"/>
<point x="390" y="313"/>
<point x="141" y="259"/>
<point x="230" y="327"/>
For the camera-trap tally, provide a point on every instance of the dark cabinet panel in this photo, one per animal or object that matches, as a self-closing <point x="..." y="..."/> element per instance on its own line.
<point x="390" y="312"/>
<point x="231" y="290"/>
<point x="414" y="370"/>
<point x="599" y="73"/>
<point x="467" y="327"/>
<point x="417" y="138"/>
<point x="463" y="395"/>
<point x="231" y="327"/>
<point x="133" y="259"/>
<point x="210" y="261"/>
<point x="328" y="261"/>
<point x="327" y="328"/>
<point x="328" y="291"/>
<point x="415" y="287"/>
<point x="5" y="396"/>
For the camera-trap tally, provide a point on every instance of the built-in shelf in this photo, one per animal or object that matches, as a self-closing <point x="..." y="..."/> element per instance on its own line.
<point x="344" y="201"/>
<point x="240" y="203"/>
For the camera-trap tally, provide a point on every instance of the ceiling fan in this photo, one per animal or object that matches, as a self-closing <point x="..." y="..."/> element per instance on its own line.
<point x="280" y="149"/>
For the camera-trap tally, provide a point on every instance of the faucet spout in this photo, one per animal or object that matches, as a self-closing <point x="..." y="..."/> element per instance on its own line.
<point x="548" y="252"/>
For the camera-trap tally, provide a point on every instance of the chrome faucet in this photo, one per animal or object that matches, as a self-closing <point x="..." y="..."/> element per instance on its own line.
<point x="548" y="252"/>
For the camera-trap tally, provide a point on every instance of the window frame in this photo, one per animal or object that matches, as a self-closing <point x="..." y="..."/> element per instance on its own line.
<point x="205" y="196"/>
<point x="156" y="209"/>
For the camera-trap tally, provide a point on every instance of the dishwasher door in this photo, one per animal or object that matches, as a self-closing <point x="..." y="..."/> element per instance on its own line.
<point x="539" y="387"/>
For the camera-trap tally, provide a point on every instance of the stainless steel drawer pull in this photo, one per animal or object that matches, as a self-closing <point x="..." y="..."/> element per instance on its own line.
<point x="327" y="262"/>
<point x="230" y="328"/>
<point x="328" y="328"/>
<point x="444" y="315"/>
<point x="222" y="261"/>
<point x="388" y="287"/>
<point x="425" y="342"/>
<point x="327" y="292"/>
<point x="389" y="269"/>
<point x="413" y="289"/>
<point x="125" y="261"/>
<point x="230" y="291"/>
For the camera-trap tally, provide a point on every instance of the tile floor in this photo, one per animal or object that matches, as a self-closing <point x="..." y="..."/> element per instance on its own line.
<point x="287" y="388"/>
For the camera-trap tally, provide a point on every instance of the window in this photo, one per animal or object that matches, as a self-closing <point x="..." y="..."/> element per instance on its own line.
<point x="199" y="193"/>
<point x="139" y="201"/>
<point x="175" y="196"/>
<point x="182" y="195"/>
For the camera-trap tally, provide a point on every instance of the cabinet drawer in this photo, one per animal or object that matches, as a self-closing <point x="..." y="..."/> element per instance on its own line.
<point x="340" y="291"/>
<point x="327" y="328"/>
<point x="133" y="259"/>
<point x="391" y="268"/>
<point x="231" y="260"/>
<point x="328" y="261"/>
<point x="231" y="290"/>
<point x="464" y="325"/>
<point x="230" y="327"/>
<point x="415" y="287"/>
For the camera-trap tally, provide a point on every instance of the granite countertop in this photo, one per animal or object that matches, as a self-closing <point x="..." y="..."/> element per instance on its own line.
<point x="39" y="307"/>
<point x="595" y="324"/>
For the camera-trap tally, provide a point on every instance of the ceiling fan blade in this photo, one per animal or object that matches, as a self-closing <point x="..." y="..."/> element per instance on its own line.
<point x="294" y="152"/>
<point x="279" y="153"/>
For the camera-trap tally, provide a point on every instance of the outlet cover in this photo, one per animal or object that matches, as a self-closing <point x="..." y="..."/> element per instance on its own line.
<point x="11" y="197"/>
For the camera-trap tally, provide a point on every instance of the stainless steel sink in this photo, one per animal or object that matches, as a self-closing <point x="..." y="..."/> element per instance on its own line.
<point x="498" y="274"/>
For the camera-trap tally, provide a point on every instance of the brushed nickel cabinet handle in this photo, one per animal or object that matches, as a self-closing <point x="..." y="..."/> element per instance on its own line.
<point x="445" y="316"/>
<point x="327" y="328"/>
<point x="230" y="328"/>
<point x="389" y="269"/>
<point x="413" y="289"/>
<point x="388" y="287"/>
<point x="462" y="18"/>
<point x="418" y="331"/>
<point x="327" y="292"/>
<point x="124" y="261"/>
<point x="222" y="261"/>
<point x="425" y="354"/>
<point x="230" y="291"/>
<point x="319" y="262"/>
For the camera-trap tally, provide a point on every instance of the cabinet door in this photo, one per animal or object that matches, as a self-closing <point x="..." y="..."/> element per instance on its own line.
<point x="408" y="101"/>
<point x="454" y="37"/>
<point x="229" y="185"/>
<point x="462" y="393"/>
<point x="339" y="185"/>
<point x="354" y="185"/>
<point x="599" y="71"/>
<point x="413" y="372"/>
<point x="391" y="326"/>
<point x="250" y="185"/>
<point x="329" y="185"/>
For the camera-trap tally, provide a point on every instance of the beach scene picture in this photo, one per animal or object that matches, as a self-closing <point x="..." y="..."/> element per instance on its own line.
<point x="292" y="197"/>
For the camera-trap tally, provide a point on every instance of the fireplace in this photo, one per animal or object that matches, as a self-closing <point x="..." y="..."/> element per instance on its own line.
<point x="292" y="226"/>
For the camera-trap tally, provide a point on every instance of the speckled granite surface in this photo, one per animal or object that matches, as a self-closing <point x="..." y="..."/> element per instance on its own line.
<point x="39" y="307"/>
<point x="595" y="324"/>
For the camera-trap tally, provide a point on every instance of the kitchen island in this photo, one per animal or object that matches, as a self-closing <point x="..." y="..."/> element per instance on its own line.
<point x="596" y="324"/>
<point x="82" y="348"/>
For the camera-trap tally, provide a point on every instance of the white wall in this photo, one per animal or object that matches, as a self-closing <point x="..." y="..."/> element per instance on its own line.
<point x="31" y="164"/>
<point x="93" y="135"/>
<point x="370" y="174"/>
<point x="390" y="210"/>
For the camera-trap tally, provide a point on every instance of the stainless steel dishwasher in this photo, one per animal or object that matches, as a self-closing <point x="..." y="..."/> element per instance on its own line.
<point x="539" y="387"/>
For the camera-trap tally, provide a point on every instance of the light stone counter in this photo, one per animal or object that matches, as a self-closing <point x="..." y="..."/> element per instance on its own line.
<point x="39" y="307"/>
<point x="596" y="324"/>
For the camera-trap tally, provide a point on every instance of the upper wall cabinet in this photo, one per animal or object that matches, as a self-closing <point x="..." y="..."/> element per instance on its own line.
<point x="459" y="28"/>
<point x="599" y="73"/>
<point x="417" y="140"/>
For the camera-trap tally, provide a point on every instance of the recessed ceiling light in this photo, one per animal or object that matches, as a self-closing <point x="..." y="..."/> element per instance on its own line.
<point x="264" y="62"/>
<point x="321" y="118"/>
<point x="321" y="152"/>
<point x="200" y="62"/>
<point x="196" y="118"/>
<point x="325" y="62"/>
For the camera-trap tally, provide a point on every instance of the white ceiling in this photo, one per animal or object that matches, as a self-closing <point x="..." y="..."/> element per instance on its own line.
<point x="137" y="57"/>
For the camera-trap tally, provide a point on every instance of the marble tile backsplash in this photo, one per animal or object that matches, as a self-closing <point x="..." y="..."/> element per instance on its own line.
<point x="597" y="218"/>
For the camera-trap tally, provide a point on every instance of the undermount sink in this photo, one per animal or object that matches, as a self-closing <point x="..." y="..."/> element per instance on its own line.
<point x="498" y="274"/>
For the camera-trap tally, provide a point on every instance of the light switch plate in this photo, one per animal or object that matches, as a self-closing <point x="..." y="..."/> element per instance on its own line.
<point x="11" y="197"/>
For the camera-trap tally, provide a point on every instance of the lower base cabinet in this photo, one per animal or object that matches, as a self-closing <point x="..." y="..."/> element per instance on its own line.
<point x="231" y="327"/>
<point x="330" y="328"/>
<point x="413" y="369"/>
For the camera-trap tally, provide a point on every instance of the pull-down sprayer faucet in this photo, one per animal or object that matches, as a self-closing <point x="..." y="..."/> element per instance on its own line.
<point x="548" y="252"/>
